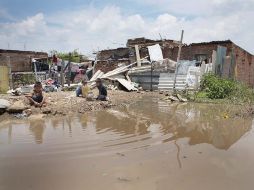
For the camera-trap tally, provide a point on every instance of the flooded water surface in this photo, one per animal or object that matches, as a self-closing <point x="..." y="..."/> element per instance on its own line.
<point x="148" y="145"/>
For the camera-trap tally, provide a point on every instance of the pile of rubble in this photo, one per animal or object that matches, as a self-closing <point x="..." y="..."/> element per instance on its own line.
<point x="12" y="107"/>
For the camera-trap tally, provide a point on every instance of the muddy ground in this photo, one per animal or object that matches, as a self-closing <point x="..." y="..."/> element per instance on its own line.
<point x="66" y="103"/>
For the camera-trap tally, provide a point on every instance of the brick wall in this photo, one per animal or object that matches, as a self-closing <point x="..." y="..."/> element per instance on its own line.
<point x="109" y="60"/>
<point x="106" y="66"/>
<point x="115" y="54"/>
<point x="244" y="65"/>
<point x="20" y="60"/>
<point x="190" y="51"/>
<point x="244" y="60"/>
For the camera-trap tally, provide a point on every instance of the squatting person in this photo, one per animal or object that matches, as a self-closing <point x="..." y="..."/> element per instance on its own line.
<point x="36" y="98"/>
<point x="102" y="91"/>
<point x="83" y="90"/>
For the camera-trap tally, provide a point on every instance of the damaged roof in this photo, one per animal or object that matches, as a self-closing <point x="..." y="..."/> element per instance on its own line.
<point x="212" y="42"/>
<point x="19" y="51"/>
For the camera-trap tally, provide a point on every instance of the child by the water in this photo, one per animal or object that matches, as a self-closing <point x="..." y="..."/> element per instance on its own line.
<point x="102" y="90"/>
<point x="36" y="98"/>
<point x="83" y="90"/>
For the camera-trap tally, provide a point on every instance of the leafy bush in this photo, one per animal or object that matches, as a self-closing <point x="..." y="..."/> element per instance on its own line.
<point x="242" y="93"/>
<point x="216" y="87"/>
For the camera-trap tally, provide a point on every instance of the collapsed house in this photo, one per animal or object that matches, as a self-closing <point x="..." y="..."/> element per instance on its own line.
<point x="223" y="58"/>
<point x="145" y="63"/>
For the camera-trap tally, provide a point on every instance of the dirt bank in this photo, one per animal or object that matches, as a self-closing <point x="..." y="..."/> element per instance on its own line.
<point x="66" y="103"/>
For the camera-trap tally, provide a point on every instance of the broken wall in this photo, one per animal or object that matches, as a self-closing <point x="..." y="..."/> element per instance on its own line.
<point x="199" y="51"/>
<point x="106" y="66"/>
<point x="166" y="46"/>
<point x="20" y="61"/>
<point x="244" y="66"/>
<point x="113" y="54"/>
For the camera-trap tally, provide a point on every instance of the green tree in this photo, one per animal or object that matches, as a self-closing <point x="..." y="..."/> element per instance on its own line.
<point x="74" y="56"/>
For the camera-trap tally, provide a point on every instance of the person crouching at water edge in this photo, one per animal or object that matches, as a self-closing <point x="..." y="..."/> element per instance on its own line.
<point x="83" y="90"/>
<point x="36" y="98"/>
<point x="102" y="91"/>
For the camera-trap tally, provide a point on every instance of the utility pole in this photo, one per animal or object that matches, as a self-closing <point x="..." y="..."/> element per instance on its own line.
<point x="160" y="36"/>
<point x="178" y="59"/>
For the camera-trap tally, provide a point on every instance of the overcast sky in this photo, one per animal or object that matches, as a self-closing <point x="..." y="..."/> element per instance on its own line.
<point x="65" y="25"/>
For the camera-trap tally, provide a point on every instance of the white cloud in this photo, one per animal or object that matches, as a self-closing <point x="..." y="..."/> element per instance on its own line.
<point x="89" y="29"/>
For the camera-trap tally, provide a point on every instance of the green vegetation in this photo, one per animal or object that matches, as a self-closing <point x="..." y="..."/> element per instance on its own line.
<point x="217" y="88"/>
<point x="74" y="56"/>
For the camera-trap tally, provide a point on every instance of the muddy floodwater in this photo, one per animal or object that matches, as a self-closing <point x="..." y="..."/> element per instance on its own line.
<point x="150" y="145"/>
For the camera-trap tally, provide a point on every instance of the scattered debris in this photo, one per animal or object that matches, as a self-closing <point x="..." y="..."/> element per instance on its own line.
<point x="173" y="98"/>
<point x="4" y="104"/>
<point x="181" y="99"/>
<point x="123" y="179"/>
<point x="46" y="110"/>
<point x="120" y="154"/>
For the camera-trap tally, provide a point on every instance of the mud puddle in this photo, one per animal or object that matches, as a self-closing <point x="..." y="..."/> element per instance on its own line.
<point x="147" y="145"/>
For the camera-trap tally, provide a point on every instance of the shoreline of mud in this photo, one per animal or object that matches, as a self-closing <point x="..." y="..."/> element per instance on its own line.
<point x="66" y="103"/>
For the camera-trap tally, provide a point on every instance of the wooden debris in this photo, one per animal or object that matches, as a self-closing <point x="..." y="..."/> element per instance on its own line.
<point x="181" y="99"/>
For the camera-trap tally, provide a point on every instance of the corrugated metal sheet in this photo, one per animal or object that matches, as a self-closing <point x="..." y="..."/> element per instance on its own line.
<point x="128" y="85"/>
<point x="4" y="79"/>
<point x="220" y="59"/>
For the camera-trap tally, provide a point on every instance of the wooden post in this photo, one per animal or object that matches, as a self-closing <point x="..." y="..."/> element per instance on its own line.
<point x="62" y="73"/>
<point x="178" y="59"/>
<point x="137" y="56"/>
<point x="10" y="75"/>
<point x="151" y="84"/>
<point x="69" y="70"/>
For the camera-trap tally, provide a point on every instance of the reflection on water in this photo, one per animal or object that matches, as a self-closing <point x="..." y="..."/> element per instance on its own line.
<point x="37" y="128"/>
<point x="150" y="125"/>
<point x="147" y="119"/>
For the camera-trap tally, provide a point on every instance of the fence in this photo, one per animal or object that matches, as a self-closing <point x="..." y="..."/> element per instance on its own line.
<point x="25" y="78"/>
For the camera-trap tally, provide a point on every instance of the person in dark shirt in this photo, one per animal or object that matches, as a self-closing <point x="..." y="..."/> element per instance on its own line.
<point x="102" y="91"/>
